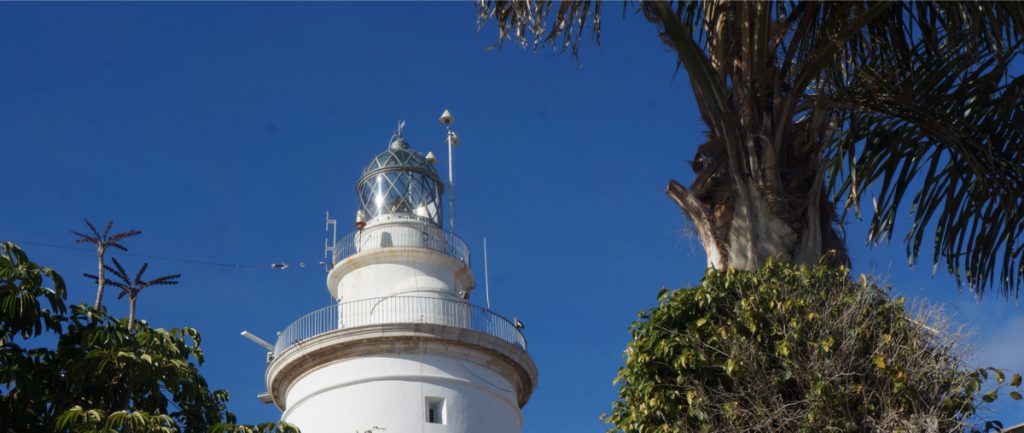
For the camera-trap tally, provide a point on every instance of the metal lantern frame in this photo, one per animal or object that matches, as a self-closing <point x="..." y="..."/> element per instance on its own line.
<point x="397" y="182"/>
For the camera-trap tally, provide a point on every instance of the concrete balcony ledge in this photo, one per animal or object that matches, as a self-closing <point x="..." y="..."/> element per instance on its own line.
<point x="453" y="313"/>
<point x="505" y="358"/>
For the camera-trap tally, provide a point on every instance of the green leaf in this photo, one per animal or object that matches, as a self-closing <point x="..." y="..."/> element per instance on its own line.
<point x="730" y="366"/>
<point x="879" y="362"/>
<point x="782" y="348"/>
<point x="990" y="396"/>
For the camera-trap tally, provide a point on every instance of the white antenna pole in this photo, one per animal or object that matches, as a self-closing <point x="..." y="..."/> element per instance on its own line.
<point x="334" y="237"/>
<point x="452" y="139"/>
<point x="451" y="186"/>
<point x="487" y="280"/>
<point x="329" y="244"/>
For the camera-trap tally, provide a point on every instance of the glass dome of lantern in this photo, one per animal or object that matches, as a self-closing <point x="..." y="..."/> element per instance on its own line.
<point x="400" y="182"/>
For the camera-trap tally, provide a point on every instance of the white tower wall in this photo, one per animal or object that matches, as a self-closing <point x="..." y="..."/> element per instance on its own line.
<point x="395" y="391"/>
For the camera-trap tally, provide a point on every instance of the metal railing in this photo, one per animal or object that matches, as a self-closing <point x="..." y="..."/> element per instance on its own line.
<point x="399" y="309"/>
<point x="401" y="234"/>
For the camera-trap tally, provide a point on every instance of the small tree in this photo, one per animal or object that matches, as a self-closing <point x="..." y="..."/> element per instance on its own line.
<point x="28" y="308"/>
<point x="99" y="376"/>
<point x="132" y="287"/>
<point x="787" y="349"/>
<point x="102" y="242"/>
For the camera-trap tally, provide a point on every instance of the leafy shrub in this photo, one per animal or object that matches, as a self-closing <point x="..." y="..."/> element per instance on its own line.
<point x="796" y="349"/>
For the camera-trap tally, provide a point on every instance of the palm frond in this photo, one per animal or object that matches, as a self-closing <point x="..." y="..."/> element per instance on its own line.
<point x="537" y="23"/>
<point x="167" y="280"/>
<point x="939" y="119"/>
<point x="106" y="239"/>
<point x="95" y="232"/>
<point x="83" y="238"/>
<point x="120" y="284"/>
<point x="142" y="270"/>
<point x="123" y="235"/>
<point x="119" y="271"/>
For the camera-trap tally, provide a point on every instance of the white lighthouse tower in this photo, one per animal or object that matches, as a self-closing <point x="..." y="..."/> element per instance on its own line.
<point x="402" y="349"/>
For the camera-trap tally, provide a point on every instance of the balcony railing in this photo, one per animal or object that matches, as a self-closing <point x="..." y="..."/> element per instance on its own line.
<point x="398" y="309"/>
<point x="401" y="234"/>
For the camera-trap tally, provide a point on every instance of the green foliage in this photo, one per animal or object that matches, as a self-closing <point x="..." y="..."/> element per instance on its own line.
<point x="266" y="427"/>
<point x="21" y="290"/>
<point x="79" y="420"/>
<point x="22" y="293"/>
<point x="795" y="349"/>
<point x="101" y="375"/>
<point x="106" y="366"/>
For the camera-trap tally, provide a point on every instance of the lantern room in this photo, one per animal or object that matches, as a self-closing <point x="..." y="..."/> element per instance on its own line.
<point x="400" y="183"/>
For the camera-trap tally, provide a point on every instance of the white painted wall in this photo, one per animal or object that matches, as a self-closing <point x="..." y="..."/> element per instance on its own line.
<point x="383" y="268"/>
<point x="390" y="391"/>
<point x="393" y="275"/>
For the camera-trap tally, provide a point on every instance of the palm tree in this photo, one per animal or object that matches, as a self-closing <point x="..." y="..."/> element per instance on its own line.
<point x="813" y="107"/>
<point x="132" y="287"/>
<point x="102" y="242"/>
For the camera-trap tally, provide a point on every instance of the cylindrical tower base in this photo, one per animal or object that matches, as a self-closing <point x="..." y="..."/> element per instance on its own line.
<point x="403" y="393"/>
<point x="403" y="377"/>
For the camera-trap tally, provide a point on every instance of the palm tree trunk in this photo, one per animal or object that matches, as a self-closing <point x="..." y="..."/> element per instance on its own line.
<point x="759" y="190"/>
<point x="739" y="227"/>
<point x="99" y="280"/>
<point x="131" y="312"/>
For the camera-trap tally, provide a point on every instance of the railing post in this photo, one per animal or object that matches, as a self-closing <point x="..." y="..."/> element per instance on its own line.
<point x="437" y="240"/>
<point x="398" y="309"/>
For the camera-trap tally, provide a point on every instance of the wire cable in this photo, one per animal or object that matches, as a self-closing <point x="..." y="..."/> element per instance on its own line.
<point x="165" y="258"/>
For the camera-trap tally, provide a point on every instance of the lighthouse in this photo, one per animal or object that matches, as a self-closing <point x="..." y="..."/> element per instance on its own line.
<point x="402" y="349"/>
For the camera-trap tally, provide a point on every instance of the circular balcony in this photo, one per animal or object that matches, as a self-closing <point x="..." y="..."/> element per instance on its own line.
<point x="399" y="309"/>
<point x="401" y="234"/>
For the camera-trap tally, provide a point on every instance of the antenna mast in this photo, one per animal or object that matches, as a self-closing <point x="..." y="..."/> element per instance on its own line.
<point x="331" y="228"/>
<point x="487" y="280"/>
<point x="452" y="139"/>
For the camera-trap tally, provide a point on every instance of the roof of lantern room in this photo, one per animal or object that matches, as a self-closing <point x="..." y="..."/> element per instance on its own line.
<point x="400" y="157"/>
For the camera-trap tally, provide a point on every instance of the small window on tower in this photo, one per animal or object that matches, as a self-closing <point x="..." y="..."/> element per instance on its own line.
<point x="435" y="410"/>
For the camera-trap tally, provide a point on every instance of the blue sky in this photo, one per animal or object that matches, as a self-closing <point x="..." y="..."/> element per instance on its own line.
<point x="224" y="131"/>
